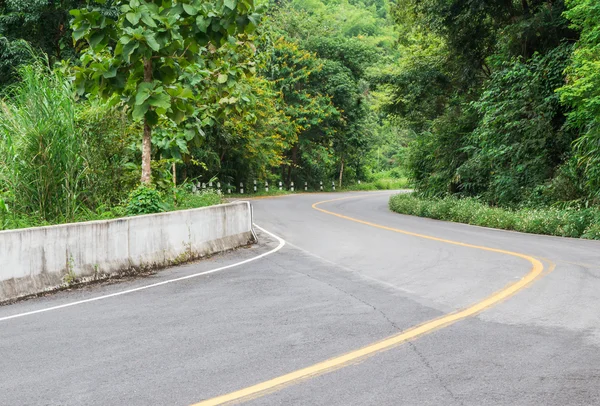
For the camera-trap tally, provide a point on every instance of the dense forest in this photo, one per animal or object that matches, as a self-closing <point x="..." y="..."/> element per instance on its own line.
<point x="96" y="93"/>
<point x="502" y="99"/>
<point x="108" y="105"/>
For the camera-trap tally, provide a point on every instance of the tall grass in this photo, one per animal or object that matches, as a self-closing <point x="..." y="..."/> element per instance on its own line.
<point x="569" y="222"/>
<point x="41" y="164"/>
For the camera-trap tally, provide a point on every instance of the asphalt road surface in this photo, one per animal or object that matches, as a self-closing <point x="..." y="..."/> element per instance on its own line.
<point x="326" y="316"/>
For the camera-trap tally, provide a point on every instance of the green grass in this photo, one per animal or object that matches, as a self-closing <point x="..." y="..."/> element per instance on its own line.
<point x="188" y="201"/>
<point x="185" y="201"/>
<point x="380" y="184"/>
<point x="259" y="193"/>
<point x="578" y="223"/>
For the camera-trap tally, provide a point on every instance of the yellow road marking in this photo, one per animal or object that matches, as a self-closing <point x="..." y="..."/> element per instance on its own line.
<point x="355" y="356"/>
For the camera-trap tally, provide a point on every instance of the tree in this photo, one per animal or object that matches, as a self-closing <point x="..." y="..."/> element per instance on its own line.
<point x="148" y="55"/>
<point x="582" y="91"/>
<point x="30" y="26"/>
<point x="42" y="23"/>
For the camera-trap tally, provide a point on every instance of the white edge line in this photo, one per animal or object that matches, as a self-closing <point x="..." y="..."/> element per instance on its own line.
<point x="154" y="285"/>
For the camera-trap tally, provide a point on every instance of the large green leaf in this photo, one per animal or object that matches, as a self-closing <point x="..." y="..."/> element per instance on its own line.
<point x="160" y="100"/>
<point x="202" y="23"/>
<point x="230" y="4"/>
<point x="152" y="43"/>
<point x="149" y="21"/>
<point x="139" y="111"/>
<point x="133" y="18"/>
<point x="144" y="92"/>
<point x="190" y="9"/>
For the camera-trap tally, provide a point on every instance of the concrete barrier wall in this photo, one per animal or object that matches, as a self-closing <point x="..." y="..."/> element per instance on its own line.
<point x="35" y="260"/>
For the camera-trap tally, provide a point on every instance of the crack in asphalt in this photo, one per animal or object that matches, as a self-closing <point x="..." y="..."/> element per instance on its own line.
<point x="422" y="357"/>
<point x="434" y="373"/>
<point x="385" y="316"/>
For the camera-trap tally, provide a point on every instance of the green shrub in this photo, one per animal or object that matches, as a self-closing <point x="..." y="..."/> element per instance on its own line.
<point x="145" y="200"/>
<point x="568" y="222"/>
<point x="379" y="184"/>
<point x="189" y="200"/>
<point x="59" y="159"/>
<point x="41" y="162"/>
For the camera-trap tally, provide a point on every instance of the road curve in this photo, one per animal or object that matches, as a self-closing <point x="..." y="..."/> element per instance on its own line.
<point x="348" y="278"/>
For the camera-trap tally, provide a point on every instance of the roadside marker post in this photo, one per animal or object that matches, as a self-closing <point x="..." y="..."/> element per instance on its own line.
<point x="219" y="187"/>
<point x="280" y="188"/>
<point x="333" y="185"/>
<point x="305" y="186"/>
<point x="266" y="186"/>
<point x="292" y="188"/>
<point x="321" y="186"/>
<point x="242" y="187"/>
<point x="254" y="185"/>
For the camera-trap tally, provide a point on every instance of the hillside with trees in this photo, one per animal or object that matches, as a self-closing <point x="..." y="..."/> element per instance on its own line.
<point x="108" y="105"/>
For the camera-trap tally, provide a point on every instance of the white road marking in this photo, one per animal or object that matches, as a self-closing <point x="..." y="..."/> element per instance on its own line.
<point x="154" y="285"/>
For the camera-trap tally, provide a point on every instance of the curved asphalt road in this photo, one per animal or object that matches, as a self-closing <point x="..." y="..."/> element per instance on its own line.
<point x="336" y="286"/>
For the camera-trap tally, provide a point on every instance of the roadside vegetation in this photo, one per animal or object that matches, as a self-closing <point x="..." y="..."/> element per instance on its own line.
<point x="123" y="107"/>
<point x="107" y="104"/>
<point x="566" y="222"/>
<point x="501" y="101"/>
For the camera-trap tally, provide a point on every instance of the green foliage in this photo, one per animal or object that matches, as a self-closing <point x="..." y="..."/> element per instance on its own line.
<point x="150" y="54"/>
<point x="582" y="91"/>
<point x="12" y="55"/>
<point x="42" y="24"/>
<point x="435" y="155"/>
<point x="145" y="200"/>
<point x="188" y="200"/>
<point x="42" y="165"/>
<point x="572" y="222"/>
<point x="520" y="139"/>
<point x="322" y="61"/>
<point x="297" y="106"/>
<point x="380" y="184"/>
<point x="476" y="93"/>
<point x="58" y="159"/>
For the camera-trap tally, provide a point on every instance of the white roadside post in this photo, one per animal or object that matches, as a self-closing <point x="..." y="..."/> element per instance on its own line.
<point x="254" y="185"/>
<point x="228" y="188"/>
<point x="266" y="186"/>
<point x="280" y="187"/>
<point x="333" y="185"/>
<point x="242" y="187"/>
<point x="292" y="187"/>
<point x="321" y="185"/>
<point x="305" y="186"/>
<point x="219" y="187"/>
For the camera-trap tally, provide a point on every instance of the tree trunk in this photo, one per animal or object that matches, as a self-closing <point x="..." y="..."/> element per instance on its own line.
<point x="294" y="163"/>
<point x="175" y="183"/>
<point x="146" y="154"/>
<point x="174" y="174"/>
<point x="341" y="171"/>
<point x="147" y="140"/>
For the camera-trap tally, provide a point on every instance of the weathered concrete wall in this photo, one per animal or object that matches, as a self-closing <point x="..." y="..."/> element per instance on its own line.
<point x="35" y="260"/>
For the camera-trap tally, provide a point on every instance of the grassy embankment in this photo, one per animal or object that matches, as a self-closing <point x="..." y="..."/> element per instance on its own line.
<point x="569" y="222"/>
